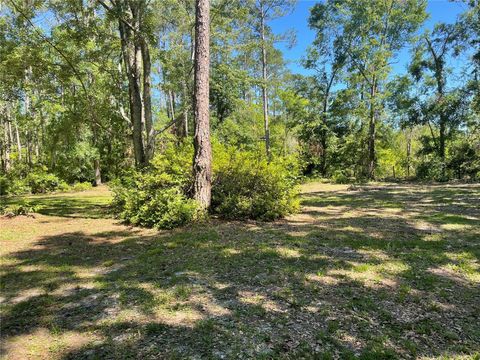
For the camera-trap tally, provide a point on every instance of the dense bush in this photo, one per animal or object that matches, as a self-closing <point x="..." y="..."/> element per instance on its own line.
<point x="41" y="182"/>
<point x="431" y="168"/>
<point x="245" y="186"/>
<point x="157" y="197"/>
<point x="37" y="181"/>
<point x="12" y="186"/>
<point x="339" y="177"/>
<point x="22" y="208"/>
<point x="81" y="186"/>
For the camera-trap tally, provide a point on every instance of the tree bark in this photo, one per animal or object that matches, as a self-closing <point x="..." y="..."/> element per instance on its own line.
<point x="98" y="174"/>
<point x="409" y="149"/>
<point x="372" y="133"/>
<point x="19" y="144"/>
<point x="185" y="109"/>
<point x="264" y="83"/>
<point x="7" y="163"/>
<point x="323" y="137"/>
<point x="10" y="133"/>
<point x="202" y="163"/>
<point x="147" y="100"/>
<point x="132" y="59"/>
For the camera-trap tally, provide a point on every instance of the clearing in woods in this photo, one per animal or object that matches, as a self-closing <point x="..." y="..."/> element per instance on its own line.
<point x="371" y="272"/>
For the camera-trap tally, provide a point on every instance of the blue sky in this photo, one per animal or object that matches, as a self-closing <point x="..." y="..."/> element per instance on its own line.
<point x="439" y="11"/>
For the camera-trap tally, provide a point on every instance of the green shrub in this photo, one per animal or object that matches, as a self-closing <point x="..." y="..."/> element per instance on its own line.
<point x="4" y="183"/>
<point x="81" y="186"/>
<point x="164" y="209"/>
<point x="431" y="168"/>
<point x="42" y="182"/>
<point x="22" y="208"/>
<point x="339" y="177"/>
<point x="246" y="186"/>
<point x="18" y="187"/>
<point x="157" y="197"/>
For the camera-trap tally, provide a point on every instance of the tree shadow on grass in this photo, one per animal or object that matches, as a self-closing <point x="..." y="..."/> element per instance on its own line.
<point x="69" y="206"/>
<point x="367" y="286"/>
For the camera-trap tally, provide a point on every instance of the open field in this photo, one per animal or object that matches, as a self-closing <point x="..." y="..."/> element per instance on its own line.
<point x="370" y="272"/>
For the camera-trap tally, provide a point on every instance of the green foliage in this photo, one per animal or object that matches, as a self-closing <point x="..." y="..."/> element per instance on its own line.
<point x="22" y="208"/>
<point x="41" y="182"/>
<point x="4" y="184"/>
<point x="9" y="185"/>
<point x="464" y="160"/>
<point x="18" y="187"/>
<point x="81" y="186"/>
<point x="157" y="197"/>
<point x="246" y="186"/>
<point x="430" y="168"/>
<point x="163" y="208"/>
<point x="339" y="177"/>
<point x="37" y="181"/>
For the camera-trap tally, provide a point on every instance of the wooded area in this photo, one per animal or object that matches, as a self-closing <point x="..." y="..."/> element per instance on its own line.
<point x="339" y="196"/>
<point x="92" y="88"/>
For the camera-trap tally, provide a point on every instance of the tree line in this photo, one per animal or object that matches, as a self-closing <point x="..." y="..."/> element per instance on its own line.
<point x="90" y="88"/>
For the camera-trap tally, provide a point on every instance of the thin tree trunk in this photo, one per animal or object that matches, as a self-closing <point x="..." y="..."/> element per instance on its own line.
<point x="409" y="149"/>
<point x="147" y="100"/>
<point x="7" y="163"/>
<point x="96" y="161"/>
<point x="202" y="163"/>
<point x="19" y="144"/>
<point x="185" y="108"/>
<point x="372" y="133"/>
<point x="323" y="138"/>
<point x="171" y="101"/>
<point x="264" y="83"/>
<point x="29" y="149"/>
<point x="98" y="174"/>
<point x="10" y="133"/>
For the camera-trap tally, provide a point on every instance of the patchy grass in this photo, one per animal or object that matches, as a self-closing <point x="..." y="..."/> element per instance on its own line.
<point x="86" y="204"/>
<point x="370" y="272"/>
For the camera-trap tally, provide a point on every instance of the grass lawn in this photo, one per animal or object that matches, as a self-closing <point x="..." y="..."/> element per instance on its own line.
<point x="372" y="272"/>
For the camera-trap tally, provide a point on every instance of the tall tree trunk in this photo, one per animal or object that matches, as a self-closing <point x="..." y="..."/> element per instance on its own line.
<point x="10" y="133"/>
<point x="440" y="79"/>
<point x="147" y="100"/>
<point x="96" y="161"/>
<point x="19" y="144"/>
<point x="29" y="148"/>
<point x="409" y="150"/>
<point x="372" y="133"/>
<point x="171" y="102"/>
<point x="323" y="138"/>
<point x="202" y="162"/>
<point x="132" y="59"/>
<point x="98" y="174"/>
<point x="185" y="108"/>
<point x="264" y="83"/>
<point x="7" y="163"/>
<point x="443" y="115"/>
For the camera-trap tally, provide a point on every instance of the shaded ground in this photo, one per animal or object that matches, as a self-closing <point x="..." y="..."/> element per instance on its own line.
<point x="375" y="272"/>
